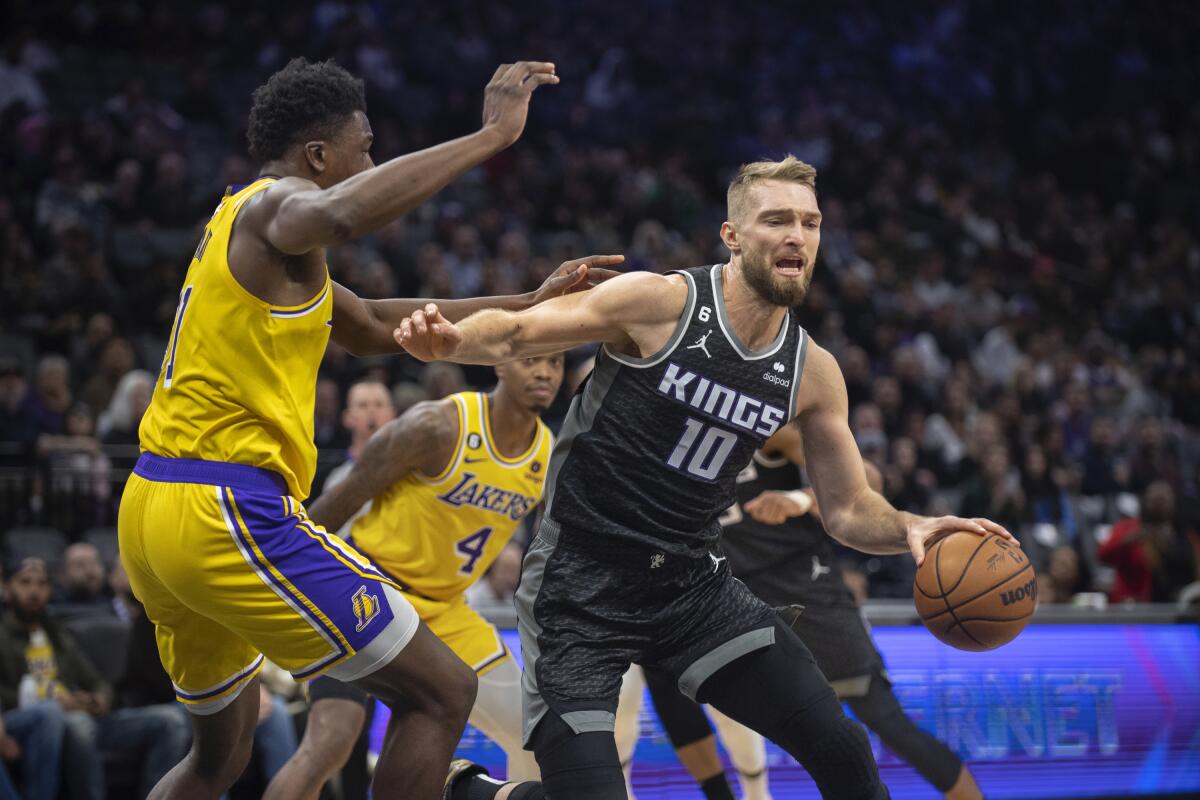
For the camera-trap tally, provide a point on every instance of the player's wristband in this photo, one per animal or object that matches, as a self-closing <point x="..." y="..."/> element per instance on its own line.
<point x="800" y="498"/>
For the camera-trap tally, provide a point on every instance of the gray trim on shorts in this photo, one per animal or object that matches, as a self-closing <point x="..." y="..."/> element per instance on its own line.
<point x="533" y="705"/>
<point x="590" y="721"/>
<point x="706" y="665"/>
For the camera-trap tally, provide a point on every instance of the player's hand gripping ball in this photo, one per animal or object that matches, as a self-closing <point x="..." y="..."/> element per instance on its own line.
<point x="975" y="592"/>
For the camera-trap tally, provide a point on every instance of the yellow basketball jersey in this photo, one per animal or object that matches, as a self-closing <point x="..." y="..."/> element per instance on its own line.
<point x="437" y="535"/>
<point x="238" y="380"/>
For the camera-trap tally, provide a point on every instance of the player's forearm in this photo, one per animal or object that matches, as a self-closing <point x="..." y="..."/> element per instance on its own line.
<point x="492" y="337"/>
<point x="366" y="327"/>
<point x="388" y="313"/>
<point x="870" y="524"/>
<point x="377" y="196"/>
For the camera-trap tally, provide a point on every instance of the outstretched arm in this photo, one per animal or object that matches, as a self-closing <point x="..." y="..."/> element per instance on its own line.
<point x="420" y="439"/>
<point x="852" y="512"/>
<point x="635" y="313"/>
<point x="303" y="217"/>
<point x="365" y="327"/>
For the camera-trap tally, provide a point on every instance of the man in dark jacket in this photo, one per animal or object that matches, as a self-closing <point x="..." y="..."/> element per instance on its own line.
<point x="40" y="661"/>
<point x="143" y="719"/>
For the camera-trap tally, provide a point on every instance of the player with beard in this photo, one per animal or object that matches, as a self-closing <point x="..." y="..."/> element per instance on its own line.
<point x="449" y="482"/>
<point x="699" y="368"/>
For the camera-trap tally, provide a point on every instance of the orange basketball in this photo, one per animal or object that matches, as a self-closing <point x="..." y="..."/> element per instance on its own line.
<point x="975" y="592"/>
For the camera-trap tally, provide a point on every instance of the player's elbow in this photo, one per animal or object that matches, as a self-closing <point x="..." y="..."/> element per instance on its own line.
<point x="835" y="525"/>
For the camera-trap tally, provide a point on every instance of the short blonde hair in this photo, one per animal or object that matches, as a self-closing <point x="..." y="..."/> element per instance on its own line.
<point x="789" y="169"/>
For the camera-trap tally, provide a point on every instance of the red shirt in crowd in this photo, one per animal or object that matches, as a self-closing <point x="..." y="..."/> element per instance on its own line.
<point x="1136" y="579"/>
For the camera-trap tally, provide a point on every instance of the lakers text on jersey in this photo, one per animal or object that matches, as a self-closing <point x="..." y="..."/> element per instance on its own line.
<point x="437" y="535"/>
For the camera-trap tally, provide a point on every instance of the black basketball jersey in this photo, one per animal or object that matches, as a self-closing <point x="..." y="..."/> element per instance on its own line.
<point x="651" y="447"/>
<point x="782" y="564"/>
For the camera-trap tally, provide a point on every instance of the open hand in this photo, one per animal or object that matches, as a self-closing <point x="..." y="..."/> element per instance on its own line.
<point x="427" y="335"/>
<point x="923" y="529"/>
<point x="577" y="275"/>
<point x="506" y="98"/>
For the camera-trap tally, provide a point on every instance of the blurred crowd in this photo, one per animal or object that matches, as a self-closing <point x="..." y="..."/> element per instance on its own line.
<point x="1009" y="271"/>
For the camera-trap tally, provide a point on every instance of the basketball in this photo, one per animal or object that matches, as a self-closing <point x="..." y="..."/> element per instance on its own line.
<point x="975" y="592"/>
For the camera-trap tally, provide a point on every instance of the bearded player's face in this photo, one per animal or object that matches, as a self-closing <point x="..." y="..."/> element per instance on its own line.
<point x="777" y="239"/>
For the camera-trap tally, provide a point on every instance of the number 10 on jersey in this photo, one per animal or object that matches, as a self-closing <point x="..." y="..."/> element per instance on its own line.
<point x="704" y="457"/>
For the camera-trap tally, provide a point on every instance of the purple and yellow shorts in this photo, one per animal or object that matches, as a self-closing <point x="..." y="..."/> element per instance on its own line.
<point x="230" y="569"/>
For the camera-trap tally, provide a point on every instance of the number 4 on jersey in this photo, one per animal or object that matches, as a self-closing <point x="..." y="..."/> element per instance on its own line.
<point x="472" y="547"/>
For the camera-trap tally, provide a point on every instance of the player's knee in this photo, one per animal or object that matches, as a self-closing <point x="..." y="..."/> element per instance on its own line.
<point x="221" y="766"/>
<point x="878" y="715"/>
<point x="835" y="751"/>
<point x="451" y="696"/>
<point x="581" y="766"/>
<point x="460" y="691"/>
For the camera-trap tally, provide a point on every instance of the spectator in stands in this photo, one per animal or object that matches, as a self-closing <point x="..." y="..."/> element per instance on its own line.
<point x="368" y="408"/>
<point x="116" y="359"/>
<point x="83" y="579"/>
<point x="1105" y="470"/>
<point x="119" y="422"/>
<point x="32" y="736"/>
<point x="1064" y="577"/>
<point x="1047" y="502"/>
<point x="147" y="719"/>
<point x="76" y="487"/>
<point x="47" y="404"/>
<point x="39" y="656"/>
<point x="909" y="486"/>
<point x="1154" y="556"/>
<point x="995" y="492"/>
<point x="40" y="660"/>
<point x="1154" y="457"/>
<point x="124" y="604"/>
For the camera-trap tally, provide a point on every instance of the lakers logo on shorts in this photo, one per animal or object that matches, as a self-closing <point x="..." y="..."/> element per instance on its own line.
<point x="366" y="607"/>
